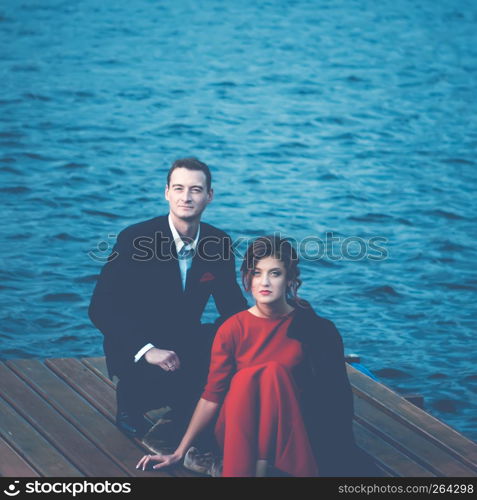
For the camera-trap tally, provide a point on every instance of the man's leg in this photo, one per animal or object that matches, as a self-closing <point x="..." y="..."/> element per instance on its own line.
<point x="141" y="388"/>
<point x="186" y="390"/>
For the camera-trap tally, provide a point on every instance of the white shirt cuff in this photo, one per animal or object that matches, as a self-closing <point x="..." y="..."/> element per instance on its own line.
<point x="142" y="351"/>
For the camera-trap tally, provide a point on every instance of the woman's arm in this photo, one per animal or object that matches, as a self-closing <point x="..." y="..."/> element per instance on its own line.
<point x="203" y="414"/>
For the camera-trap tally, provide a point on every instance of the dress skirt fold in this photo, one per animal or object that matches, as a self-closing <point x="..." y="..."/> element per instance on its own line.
<point x="261" y="419"/>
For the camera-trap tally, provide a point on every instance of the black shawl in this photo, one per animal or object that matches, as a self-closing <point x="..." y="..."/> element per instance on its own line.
<point x="327" y="399"/>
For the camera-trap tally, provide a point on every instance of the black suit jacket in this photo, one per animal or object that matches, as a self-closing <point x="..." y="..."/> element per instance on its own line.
<point x="139" y="298"/>
<point x="327" y="398"/>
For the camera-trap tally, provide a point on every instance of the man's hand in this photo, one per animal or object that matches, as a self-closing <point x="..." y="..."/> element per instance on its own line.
<point x="167" y="360"/>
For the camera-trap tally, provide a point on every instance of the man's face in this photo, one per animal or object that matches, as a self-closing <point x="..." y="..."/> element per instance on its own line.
<point x="187" y="193"/>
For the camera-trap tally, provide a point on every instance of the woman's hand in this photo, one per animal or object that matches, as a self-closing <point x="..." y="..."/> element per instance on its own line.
<point x="163" y="460"/>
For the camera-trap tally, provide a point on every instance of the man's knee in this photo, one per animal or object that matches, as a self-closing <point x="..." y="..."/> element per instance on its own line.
<point x="143" y="387"/>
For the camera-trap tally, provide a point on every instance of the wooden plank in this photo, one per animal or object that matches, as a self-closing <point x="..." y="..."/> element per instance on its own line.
<point x="120" y="449"/>
<point x="28" y="442"/>
<point x="53" y="426"/>
<point x="12" y="464"/>
<point x="392" y="461"/>
<point x="93" y="388"/>
<point x="413" y="444"/>
<point x="98" y="366"/>
<point x="415" y="418"/>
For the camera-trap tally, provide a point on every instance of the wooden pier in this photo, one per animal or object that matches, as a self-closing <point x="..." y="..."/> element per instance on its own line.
<point x="57" y="419"/>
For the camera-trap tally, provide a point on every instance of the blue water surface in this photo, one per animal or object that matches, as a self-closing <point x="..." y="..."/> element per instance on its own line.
<point x="357" y="118"/>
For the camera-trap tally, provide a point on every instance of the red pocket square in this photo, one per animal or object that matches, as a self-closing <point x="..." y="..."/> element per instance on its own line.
<point x="207" y="277"/>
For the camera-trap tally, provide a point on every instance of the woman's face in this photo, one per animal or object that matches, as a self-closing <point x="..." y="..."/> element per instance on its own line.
<point x="269" y="281"/>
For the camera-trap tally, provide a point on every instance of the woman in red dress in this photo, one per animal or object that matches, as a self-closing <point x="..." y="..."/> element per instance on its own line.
<point x="277" y="375"/>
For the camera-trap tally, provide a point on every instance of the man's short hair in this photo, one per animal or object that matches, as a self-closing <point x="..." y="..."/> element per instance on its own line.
<point x="191" y="163"/>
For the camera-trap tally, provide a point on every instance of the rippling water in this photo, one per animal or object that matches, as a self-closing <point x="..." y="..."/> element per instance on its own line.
<point x="352" y="117"/>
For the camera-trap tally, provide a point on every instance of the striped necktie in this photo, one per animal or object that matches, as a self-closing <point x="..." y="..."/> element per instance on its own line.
<point x="185" y="252"/>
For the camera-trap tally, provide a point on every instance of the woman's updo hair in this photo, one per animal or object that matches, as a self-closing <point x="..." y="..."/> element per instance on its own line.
<point x="280" y="249"/>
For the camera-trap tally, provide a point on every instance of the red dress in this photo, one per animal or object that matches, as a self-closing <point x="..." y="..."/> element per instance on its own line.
<point x="260" y="418"/>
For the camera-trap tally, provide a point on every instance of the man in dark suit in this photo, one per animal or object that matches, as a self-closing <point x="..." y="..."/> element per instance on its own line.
<point x="150" y="297"/>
